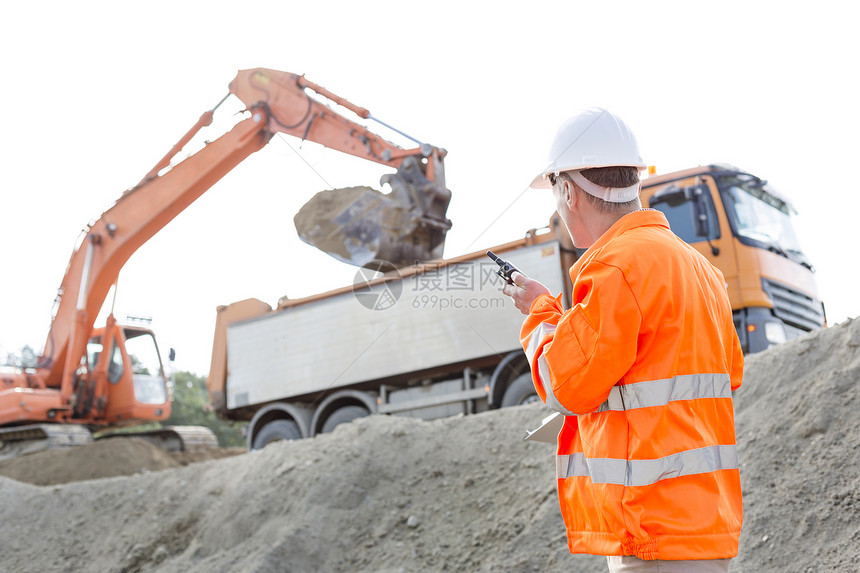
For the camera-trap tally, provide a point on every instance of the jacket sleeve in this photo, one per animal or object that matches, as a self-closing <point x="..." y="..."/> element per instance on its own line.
<point x="737" y="364"/>
<point x="537" y="332"/>
<point x="576" y="356"/>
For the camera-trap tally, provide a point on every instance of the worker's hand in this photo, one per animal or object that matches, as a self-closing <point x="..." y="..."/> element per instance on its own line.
<point x="525" y="291"/>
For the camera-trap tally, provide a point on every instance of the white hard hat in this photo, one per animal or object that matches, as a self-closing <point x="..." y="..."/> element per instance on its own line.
<point x="593" y="138"/>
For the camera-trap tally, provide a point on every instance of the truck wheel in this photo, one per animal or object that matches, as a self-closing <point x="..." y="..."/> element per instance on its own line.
<point x="520" y="391"/>
<point x="343" y="415"/>
<point x="276" y="430"/>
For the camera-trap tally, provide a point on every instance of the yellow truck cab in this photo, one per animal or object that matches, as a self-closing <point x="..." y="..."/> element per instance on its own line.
<point x="744" y="228"/>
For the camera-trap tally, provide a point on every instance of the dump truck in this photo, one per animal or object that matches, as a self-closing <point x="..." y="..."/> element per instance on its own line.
<point x="439" y="339"/>
<point x="98" y="378"/>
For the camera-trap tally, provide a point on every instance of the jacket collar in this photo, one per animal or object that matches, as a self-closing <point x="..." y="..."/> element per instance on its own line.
<point x="636" y="219"/>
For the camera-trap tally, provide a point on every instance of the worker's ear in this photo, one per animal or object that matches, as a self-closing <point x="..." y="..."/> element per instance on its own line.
<point x="569" y="194"/>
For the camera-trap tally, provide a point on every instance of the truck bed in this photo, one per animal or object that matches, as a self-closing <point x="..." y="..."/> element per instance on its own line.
<point x="449" y="313"/>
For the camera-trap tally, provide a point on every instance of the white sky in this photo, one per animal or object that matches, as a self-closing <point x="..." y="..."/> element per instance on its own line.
<point x="94" y="93"/>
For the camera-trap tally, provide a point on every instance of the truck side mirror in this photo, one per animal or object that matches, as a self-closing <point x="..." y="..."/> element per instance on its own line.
<point x="700" y="208"/>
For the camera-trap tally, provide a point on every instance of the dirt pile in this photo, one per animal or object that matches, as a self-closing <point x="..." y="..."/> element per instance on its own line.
<point x="387" y="494"/>
<point x="349" y="224"/>
<point x="799" y="440"/>
<point x="380" y="494"/>
<point x="103" y="458"/>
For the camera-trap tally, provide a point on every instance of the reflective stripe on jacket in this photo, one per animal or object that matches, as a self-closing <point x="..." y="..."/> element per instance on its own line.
<point x="643" y="366"/>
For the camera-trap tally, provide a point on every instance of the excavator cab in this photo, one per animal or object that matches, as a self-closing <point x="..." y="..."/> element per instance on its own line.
<point x="128" y="380"/>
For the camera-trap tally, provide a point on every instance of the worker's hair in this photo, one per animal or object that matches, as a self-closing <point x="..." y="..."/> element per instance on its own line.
<point x="612" y="177"/>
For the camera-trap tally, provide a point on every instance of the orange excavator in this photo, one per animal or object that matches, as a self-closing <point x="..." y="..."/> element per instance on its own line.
<point x="93" y="378"/>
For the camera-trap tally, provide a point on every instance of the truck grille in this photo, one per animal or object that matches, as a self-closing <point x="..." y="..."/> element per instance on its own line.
<point x="793" y="307"/>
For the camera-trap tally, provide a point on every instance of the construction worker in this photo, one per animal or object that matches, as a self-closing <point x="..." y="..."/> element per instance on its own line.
<point x="642" y="366"/>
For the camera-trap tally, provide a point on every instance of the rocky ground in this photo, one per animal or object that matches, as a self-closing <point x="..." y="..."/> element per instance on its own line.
<point x="387" y="494"/>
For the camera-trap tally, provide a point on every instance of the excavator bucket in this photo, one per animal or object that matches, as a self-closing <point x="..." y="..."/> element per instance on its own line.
<point x="359" y="225"/>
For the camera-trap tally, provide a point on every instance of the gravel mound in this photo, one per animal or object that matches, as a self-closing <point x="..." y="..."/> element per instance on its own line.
<point x="798" y="440"/>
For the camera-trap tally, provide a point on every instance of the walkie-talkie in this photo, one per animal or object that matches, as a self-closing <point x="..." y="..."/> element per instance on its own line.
<point x="506" y="269"/>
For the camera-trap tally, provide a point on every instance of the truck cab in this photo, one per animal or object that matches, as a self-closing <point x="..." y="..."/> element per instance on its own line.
<point x="744" y="227"/>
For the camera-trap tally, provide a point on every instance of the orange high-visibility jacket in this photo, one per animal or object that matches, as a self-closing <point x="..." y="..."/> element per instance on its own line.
<point x="643" y="366"/>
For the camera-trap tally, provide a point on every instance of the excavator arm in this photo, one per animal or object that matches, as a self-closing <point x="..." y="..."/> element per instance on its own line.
<point x="276" y="102"/>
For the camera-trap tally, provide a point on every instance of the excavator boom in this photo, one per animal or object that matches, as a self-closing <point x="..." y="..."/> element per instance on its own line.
<point x="275" y="102"/>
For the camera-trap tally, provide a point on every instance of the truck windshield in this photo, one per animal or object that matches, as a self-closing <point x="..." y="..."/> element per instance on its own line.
<point x="760" y="216"/>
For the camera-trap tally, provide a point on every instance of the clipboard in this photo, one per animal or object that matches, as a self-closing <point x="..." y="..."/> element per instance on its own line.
<point x="548" y="430"/>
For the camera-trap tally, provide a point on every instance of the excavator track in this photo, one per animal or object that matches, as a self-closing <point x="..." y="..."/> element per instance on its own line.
<point x="176" y="438"/>
<point x="21" y="440"/>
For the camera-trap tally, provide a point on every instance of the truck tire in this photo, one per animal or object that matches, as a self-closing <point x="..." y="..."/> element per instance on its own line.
<point x="343" y="415"/>
<point x="276" y="430"/>
<point x="520" y="391"/>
